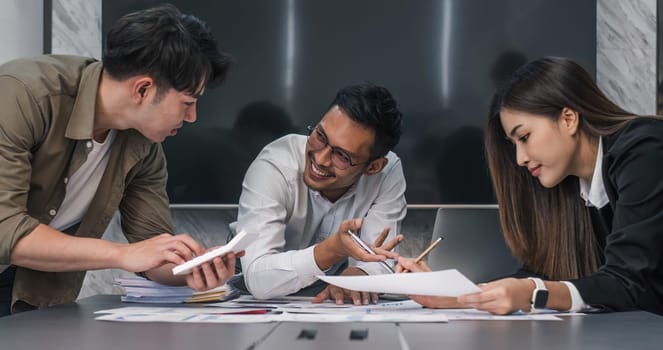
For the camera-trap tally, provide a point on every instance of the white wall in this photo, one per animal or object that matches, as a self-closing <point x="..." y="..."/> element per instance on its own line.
<point x="21" y="28"/>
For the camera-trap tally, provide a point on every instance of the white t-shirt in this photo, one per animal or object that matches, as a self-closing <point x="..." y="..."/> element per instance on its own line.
<point x="82" y="185"/>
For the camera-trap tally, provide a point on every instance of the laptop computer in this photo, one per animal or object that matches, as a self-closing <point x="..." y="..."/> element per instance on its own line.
<point x="473" y="243"/>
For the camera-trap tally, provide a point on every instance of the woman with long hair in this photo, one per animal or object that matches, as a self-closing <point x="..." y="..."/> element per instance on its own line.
<point x="579" y="183"/>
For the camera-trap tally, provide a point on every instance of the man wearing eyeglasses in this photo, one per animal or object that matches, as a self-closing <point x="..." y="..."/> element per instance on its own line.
<point x="303" y="194"/>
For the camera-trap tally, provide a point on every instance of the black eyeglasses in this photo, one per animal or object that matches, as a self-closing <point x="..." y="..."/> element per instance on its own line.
<point x="317" y="140"/>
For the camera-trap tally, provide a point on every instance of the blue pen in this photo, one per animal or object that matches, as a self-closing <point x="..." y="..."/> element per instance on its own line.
<point x="368" y="249"/>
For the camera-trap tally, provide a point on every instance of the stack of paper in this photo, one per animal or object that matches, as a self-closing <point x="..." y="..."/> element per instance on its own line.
<point x="140" y="290"/>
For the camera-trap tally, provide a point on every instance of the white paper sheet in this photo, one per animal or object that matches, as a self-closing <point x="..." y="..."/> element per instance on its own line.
<point x="382" y="307"/>
<point x="476" y="315"/>
<point x="440" y="283"/>
<point x="187" y="318"/>
<point x="212" y="315"/>
<point x="403" y="311"/>
<point x="401" y="317"/>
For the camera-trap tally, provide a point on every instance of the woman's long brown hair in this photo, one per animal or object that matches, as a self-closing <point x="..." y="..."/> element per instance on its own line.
<point x="548" y="229"/>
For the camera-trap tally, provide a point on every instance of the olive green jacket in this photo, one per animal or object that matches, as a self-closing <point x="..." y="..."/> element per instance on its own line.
<point x="47" y="112"/>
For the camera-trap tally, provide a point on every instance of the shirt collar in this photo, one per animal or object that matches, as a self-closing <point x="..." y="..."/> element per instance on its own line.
<point x="594" y="193"/>
<point x="348" y="194"/>
<point x="81" y="122"/>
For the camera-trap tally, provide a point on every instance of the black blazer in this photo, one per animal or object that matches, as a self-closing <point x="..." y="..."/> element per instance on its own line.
<point x="630" y="229"/>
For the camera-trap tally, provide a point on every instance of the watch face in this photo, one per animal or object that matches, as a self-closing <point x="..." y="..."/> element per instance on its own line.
<point x="540" y="299"/>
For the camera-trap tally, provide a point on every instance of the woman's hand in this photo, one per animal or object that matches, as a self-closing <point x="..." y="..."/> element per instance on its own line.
<point x="433" y="302"/>
<point x="408" y="264"/>
<point x="501" y="297"/>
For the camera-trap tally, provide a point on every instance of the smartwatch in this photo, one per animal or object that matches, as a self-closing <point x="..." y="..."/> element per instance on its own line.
<point x="539" y="296"/>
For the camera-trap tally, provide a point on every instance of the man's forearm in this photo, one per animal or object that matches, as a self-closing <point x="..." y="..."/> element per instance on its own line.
<point x="280" y="274"/>
<point x="46" y="249"/>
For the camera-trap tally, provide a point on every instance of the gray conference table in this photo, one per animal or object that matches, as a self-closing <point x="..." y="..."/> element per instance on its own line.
<point x="72" y="326"/>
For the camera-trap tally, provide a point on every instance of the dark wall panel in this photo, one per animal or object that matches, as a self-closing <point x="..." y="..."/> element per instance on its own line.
<point x="441" y="59"/>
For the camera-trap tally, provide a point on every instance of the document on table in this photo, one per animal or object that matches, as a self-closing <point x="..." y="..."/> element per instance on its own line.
<point x="182" y="315"/>
<point x="351" y="314"/>
<point x="476" y="315"/>
<point x="449" y="283"/>
<point x="383" y="307"/>
<point x="303" y="311"/>
<point x="250" y="315"/>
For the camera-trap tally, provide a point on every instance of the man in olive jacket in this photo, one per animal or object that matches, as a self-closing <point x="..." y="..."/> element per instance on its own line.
<point x="80" y="139"/>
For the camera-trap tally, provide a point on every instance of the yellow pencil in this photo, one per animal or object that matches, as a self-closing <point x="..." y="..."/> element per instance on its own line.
<point x="428" y="250"/>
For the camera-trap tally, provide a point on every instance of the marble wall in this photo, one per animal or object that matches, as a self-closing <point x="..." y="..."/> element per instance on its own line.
<point x="626" y="71"/>
<point x="626" y="53"/>
<point x="76" y="28"/>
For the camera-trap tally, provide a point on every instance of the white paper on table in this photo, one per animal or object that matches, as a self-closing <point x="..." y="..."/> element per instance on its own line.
<point x="273" y="303"/>
<point x="182" y="311"/>
<point x="476" y="315"/>
<point x="382" y="307"/>
<point x="400" y="317"/>
<point x="283" y="317"/>
<point x="188" y="318"/>
<point x="449" y="283"/>
<point x="148" y="310"/>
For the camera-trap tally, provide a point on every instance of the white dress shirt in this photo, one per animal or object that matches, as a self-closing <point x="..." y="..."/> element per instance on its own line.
<point x="594" y="195"/>
<point x="292" y="219"/>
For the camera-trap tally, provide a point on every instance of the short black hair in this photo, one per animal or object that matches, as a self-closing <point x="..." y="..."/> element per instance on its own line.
<point x="374" y="107"/>
<point x="174" y="49"/>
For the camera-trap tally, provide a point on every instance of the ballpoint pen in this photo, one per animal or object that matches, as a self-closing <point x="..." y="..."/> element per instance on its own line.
<point x="368" y="249"/>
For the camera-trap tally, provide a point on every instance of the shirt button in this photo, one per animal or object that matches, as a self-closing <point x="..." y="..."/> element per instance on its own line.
<point x="88" y="144"/>
<point x="52" y="212"/>
<point x="66" y="180"/>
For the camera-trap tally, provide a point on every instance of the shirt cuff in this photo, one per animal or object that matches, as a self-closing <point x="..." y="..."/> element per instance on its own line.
<point x="304" y="263"/>
<point x="577" y="304"/>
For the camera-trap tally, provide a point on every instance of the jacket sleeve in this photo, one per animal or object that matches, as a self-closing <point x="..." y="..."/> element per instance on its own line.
<point x="632" y="275"/>
<point x="144" y="208"/>
<point x="21" y="127"/>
